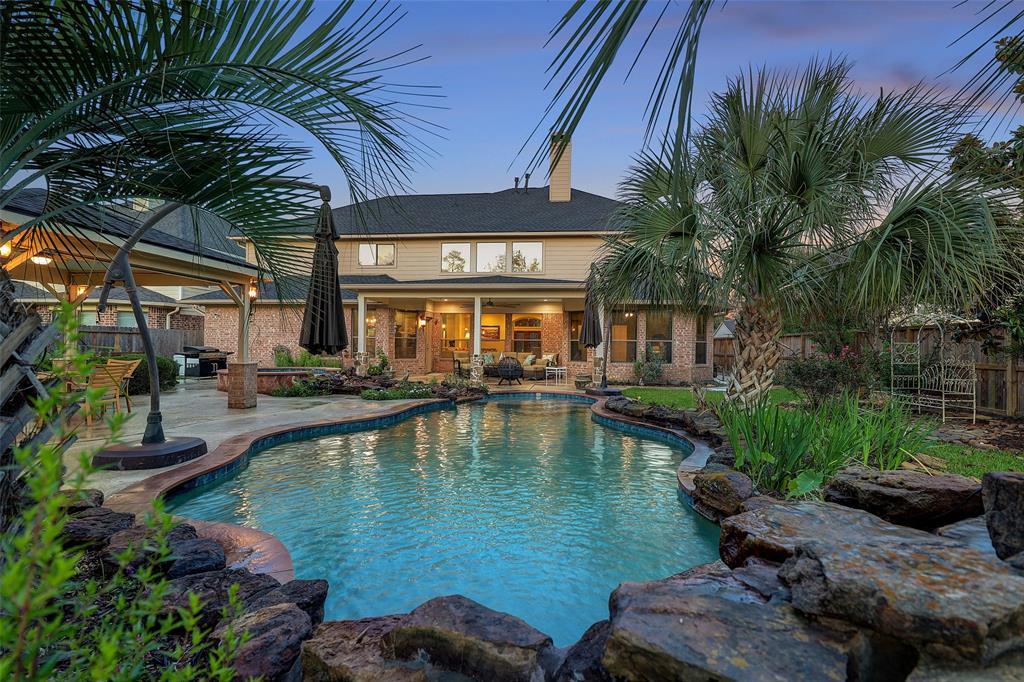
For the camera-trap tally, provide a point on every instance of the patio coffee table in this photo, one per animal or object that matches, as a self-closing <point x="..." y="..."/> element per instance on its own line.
<point x="557" y="375"/>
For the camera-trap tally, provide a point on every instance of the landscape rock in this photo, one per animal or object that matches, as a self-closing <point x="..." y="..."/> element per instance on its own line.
<point x="970" y="532"/>
<point x="706" y="625"/>
<point x="94" y="526"/>
<point x="1008" y="668"/>
<point x="762" y="577"/>
<point x="140" y="543"/>
<point x="1004" y="511"/>
<point x="195" y="555"/>
<point x="353" y="651"/>
<point x="951" y="601"/>
<point x="459" y="634"/>
<point x="757" y="502"/>
<point x="272" y="650"/>
<point x="77" y="501"/>
<point x="212" y="589"/>
<point x="774" y="531"/>
<point x="1016" y="562"/>
<point x="908" y="498"/>
<point x="626" y="406"/>
<point x="583" y="659"/>
<point x="719" y="494"/>
<point x="724" y="455"/>
<point x="308" y="595"/>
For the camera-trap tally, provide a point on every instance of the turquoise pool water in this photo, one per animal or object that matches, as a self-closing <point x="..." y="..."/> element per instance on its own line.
<point x="525" y="505"/>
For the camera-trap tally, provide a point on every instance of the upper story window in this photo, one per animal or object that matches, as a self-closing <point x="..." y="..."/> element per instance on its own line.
<point x="455" y="257"/>
<point x="490" y="257"/>
<point x="373" y="254"/>
<point x="527" y="256"/>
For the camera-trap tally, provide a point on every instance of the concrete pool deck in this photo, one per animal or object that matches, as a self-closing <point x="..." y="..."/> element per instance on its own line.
<point x="200" y="410"/>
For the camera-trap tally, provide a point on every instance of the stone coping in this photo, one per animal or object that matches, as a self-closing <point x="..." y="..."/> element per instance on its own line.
<point x="261" y="552"/>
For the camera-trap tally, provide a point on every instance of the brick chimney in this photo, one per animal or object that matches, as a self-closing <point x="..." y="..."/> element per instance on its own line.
<point x="560" y="188"/>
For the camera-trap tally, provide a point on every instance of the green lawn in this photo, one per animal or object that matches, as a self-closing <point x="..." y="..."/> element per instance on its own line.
<point x="969" y="461"/>
<point x="682" y="398"/>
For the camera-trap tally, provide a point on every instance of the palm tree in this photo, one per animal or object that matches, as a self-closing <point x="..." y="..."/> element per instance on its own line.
<point x="796" y="186"/>
<point x="183" y="102"/>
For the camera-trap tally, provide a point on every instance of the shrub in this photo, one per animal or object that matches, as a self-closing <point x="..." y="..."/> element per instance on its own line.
<point x="378" y="368"/>
<point x="793" y="451"/>
<point x="647" y="370"/>
<point x="301" y="389"/>
<point x="139" y="383"/>
<point x="823" y="378"/>
<point x="283" y="358"/>
<point x="63" y="617"/>
<point x="402" y="391"/>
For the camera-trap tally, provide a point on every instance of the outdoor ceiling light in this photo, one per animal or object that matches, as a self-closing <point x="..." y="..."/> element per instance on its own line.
<point x="41" y="260"/>
<point x="5" y="250"/>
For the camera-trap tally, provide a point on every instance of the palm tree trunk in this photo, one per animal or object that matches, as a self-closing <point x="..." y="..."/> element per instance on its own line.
<point x="758" y="329"/>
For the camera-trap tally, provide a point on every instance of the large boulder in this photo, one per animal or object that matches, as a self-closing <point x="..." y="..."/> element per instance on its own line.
<point x="1009" y="668"/>
<point x="626" y="406"/>
<point x="459" y="634"/>
<point x="705" y="625"/>
<point x="773" y="532"/>
<point x="188" y="553"/>
<point x="271" y="652"/>
<point x="79" y="500"/>
<point x="1004" y="511"/>
<point x="950" y="601"/>
<point x="353" y="651"/>
<point x="970" y="532"/>
<point x="908" y="498"/>
<point x="213" y="589"/>
<point x="720" y="492"/>
<point x="583" y="659"/>
<point x="308" y="595"/>
<point x="93" y="526"/>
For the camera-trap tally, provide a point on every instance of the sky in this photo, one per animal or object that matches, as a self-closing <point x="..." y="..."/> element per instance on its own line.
<point x="487" y="60"/>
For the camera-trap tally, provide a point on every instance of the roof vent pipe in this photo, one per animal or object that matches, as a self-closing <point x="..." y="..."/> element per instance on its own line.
<point x="517" y="184"/>
<point x="526" y="184"/>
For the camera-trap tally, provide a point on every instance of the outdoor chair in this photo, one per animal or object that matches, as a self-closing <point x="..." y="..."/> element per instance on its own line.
<point x="110" y="381"/>
<point x="509" y="369"/>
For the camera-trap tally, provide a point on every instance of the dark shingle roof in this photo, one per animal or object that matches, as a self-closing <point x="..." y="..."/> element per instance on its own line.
<point x="504" y="211"/>
<point x="292" y="288"/>
<point x="23" y="291"/>
<point x="31" y="202"/>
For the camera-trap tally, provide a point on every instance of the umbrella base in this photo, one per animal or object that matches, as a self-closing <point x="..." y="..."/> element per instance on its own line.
<point x="150" y="456"/>
<point x="604" y="392"/>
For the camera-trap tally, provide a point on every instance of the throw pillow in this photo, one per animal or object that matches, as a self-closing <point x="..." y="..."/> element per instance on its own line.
<point x="488" y="358"/>
<point x="529" y="359"/>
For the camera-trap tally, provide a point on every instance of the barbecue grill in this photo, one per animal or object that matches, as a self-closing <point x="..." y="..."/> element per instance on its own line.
<point x="201" y="361"/>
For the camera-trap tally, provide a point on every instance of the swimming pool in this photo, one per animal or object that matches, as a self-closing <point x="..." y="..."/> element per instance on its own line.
<point x="527" y="506"/>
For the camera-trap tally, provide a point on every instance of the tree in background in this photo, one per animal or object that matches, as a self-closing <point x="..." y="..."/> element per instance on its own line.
<point x="797" y="193"/>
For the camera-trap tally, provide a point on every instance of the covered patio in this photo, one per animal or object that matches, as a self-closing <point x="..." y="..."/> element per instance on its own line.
<point x="466" y="325"/>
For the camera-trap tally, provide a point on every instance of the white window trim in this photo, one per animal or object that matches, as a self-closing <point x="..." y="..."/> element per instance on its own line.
<point x="359" y="264"/>
<point x="543" y="256"/>
<point x="470" y="259"/>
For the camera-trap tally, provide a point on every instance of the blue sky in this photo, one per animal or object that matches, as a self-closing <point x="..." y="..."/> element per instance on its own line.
<point x="488" y="60"/>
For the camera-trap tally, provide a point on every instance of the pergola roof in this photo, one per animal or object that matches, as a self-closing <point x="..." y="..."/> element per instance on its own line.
<point x="81" y="244"/>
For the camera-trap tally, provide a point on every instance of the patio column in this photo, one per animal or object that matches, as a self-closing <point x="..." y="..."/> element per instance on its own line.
<point x="476" y="362"/>
<point x="361" y="360"/>
<point x="241" y="371"/>
<point x="476" y="325"/>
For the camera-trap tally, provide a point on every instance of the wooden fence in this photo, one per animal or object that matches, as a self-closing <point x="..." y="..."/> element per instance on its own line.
<point x="117" y="340"/>
<point x="1000" y="388"/>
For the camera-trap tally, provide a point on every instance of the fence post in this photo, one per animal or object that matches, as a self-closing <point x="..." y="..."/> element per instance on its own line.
<point x="1011" y="386"/>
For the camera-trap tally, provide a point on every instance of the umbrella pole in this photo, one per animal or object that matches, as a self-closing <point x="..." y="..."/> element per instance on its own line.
<point x="604" y="349"/>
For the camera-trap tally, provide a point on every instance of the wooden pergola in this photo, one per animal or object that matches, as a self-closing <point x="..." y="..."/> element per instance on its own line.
<point x="70" y="261"/>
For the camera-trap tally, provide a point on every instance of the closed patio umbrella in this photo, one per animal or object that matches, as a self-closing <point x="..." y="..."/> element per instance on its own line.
<point x="323" y="322"/>
<point x="591" y="333"/>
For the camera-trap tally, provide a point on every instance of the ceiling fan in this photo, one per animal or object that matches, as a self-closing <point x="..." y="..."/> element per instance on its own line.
<point x="489" y="303"/>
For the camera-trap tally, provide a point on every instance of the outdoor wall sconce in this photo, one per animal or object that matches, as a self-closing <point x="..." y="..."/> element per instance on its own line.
<point x="422" y="321"/>
<point x="41" y="260"/>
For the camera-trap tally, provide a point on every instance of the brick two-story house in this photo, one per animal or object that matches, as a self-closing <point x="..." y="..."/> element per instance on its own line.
<point x="432" y="278"/>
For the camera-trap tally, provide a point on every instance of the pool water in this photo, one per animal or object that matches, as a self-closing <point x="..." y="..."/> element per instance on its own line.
<point x="526" y="505"/>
